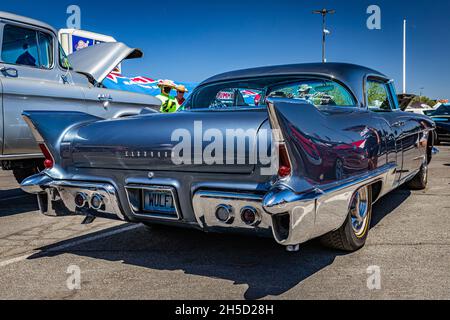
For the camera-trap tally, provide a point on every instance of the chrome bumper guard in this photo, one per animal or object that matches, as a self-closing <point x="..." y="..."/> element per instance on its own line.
<point x="51" y="192"/>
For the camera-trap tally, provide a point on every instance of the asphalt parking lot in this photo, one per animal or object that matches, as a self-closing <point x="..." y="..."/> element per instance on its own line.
<point x="409" y="243"/>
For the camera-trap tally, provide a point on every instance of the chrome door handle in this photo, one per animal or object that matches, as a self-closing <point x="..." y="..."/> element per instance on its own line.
<point x="9" y="72"/>
<point x="105" y="97"/>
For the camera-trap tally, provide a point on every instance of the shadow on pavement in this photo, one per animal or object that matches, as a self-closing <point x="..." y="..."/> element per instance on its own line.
<point x="15" y="201"/>
<point x="388" y="203"/>
<point x="262" y="265"/>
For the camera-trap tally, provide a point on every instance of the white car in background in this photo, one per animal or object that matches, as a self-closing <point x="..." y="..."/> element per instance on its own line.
<point x="419" y="109"/>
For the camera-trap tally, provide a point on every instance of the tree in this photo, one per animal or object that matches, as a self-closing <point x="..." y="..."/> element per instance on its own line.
<point x="424" y="100"/>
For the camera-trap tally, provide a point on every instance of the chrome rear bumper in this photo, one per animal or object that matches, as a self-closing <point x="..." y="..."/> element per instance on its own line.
<point x="292" y="217"/>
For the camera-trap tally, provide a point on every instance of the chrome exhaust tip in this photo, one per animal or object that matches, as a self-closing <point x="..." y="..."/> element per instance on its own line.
<point x="250" y="216"/>
<point x="81" y="200"/>
<point x="225" y="214"/>
<point x="97" y="202"/>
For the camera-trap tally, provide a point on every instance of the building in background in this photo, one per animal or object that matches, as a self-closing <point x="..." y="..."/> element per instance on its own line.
<point x="73" y="40"/>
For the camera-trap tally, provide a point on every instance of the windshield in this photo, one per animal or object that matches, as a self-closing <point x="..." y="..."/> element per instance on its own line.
<point x="252" y="93"/>
<point x="442" y="110"/>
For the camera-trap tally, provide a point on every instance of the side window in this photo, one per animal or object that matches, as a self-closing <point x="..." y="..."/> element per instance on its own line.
<point x="27" y="47"/>
<point x="318" y="92"/>
<point x="378" y="97"/>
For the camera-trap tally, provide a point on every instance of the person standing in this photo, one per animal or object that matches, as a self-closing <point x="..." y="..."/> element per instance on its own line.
<point x="181" y="91"/>
<point x="168" y="103"/>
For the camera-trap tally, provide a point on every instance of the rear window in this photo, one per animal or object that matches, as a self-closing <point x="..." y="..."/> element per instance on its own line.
<point x="317" y="92"/>
<point x="236" y="98"/>
<point x="252" y="93"/>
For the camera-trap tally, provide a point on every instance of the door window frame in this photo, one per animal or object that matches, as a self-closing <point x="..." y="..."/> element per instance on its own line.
<point x="388" y="84"/>
<point x="36" y="30"/>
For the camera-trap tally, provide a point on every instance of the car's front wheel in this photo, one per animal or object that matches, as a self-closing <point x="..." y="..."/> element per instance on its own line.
<point x="353" y="234"/>
<point x="420" y="181"/>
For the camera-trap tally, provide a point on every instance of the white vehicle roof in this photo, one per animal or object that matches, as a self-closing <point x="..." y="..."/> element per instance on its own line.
<point x="87" y="34"/>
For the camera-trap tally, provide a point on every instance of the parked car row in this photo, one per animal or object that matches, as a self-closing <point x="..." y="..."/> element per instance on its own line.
<point x="441" y="116"/>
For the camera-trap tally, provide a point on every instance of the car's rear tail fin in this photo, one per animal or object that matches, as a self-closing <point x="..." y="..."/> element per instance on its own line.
<point x="287" y="118"/>
<point x="49" y="127"/>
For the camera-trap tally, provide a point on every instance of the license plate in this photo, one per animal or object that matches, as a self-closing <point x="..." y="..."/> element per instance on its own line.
<point x="159" y="201"/>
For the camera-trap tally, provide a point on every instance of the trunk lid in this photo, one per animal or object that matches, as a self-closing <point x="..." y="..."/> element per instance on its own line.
<point x="160" y="142"/>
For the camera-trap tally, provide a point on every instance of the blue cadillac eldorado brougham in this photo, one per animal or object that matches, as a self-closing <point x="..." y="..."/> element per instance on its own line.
<point x="305" y="159"/>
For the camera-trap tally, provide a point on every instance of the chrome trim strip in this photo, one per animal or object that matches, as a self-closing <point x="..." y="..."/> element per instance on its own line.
<point x="172" y="190"/>
<point x="22" y="156"/>
<point x="34" y="131"/>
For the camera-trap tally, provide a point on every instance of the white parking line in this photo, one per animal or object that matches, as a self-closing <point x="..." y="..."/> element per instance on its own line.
<point x="73" y="244"/>
<point x="93" y="238"/>
<point x="14" y="260"/>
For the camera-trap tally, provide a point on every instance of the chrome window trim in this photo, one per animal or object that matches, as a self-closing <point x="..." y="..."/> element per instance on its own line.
<point x="37" y="29"/>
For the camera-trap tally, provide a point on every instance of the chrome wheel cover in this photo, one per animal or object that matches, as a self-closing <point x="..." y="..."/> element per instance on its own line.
<point x="359" y="210"/>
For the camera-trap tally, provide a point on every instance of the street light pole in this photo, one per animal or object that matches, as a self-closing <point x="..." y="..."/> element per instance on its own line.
<point x="324" y="13"/>
<point x="404" y="56"/>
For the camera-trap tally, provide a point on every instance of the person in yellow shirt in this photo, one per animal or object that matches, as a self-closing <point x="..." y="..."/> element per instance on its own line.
<point x="168" y="103"/>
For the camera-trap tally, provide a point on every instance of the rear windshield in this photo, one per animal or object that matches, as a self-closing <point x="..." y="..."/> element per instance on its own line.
<point x="252" y="93"/>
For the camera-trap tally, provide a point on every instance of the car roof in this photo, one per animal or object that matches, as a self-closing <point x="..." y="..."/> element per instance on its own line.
<point x="341" y="71"/>
<point x="351" y="75"/>
<point x="26" y="20"/>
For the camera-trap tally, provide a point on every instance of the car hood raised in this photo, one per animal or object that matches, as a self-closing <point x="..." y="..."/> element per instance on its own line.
<point x="98" y="61"/>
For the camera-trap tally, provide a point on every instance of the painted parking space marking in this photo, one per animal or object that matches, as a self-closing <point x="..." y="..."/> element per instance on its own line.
<point x="71" y="244"/>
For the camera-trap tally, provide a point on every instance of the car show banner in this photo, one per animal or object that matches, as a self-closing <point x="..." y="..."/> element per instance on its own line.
<point x="139" y="84"/>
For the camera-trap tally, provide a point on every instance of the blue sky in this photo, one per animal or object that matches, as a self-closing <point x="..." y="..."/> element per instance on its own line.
<point x="192" y="40"/>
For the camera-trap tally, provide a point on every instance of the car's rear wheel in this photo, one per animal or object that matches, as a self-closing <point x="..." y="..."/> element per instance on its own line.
<point x="353" y="234"/>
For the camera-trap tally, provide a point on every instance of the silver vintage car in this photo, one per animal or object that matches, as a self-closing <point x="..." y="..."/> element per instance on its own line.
<point x="35" y="74"/>
<point x="293" y="152"/>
